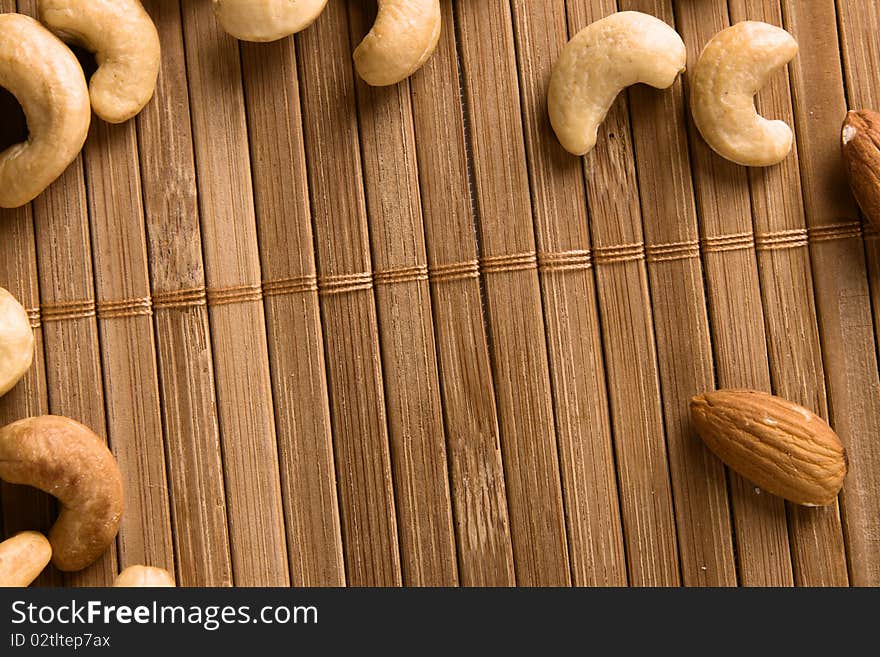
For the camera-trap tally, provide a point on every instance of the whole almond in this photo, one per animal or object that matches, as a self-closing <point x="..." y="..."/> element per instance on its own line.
<point x="782" y="447"/>
<point x="860" y="142"/>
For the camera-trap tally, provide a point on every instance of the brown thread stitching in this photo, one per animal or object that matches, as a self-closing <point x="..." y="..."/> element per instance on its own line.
<point x="402" y="275"/>
<point x="561" y="261"/>
<point x="455" y="271"/>
<point x="607" y="255"/>
<point x="237" y="294"/>
<point x="508" y="263"/>
<point x="34" y="317"/>
<point x="55" y="312"/>
<point x="783" y="239"/>
<point x="673" y="251"/>
<point x="125" y="308"/>
<point x="839" y="231"/>
<point x="190" y="298"/>
<point x="296" y="285"/>
<point x="733" y="242"/>
<point x="344" y="283"/>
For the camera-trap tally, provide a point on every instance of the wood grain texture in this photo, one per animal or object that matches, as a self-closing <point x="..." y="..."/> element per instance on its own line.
<point x="592" y="507"/>
<point x="479" y="498"/>
<point x="517" y="332"/>
<point x="351" y="334"/>
<point x="796" y="366"/>
<point x="296" y="347"/>
<point x="183" y="337"/>
<point x="630" y="346"/>
<point x="736" y="312"/>
<point x="238" y="330"/>
<point x="861" y="57"/>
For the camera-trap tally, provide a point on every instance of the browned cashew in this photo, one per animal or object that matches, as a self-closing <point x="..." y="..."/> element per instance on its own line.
<point x="126" y="47"/>
<point x="403" y="37"/>
<point x="22" y="558"/>
<point x="45" y="77"/>
<point x="65" y="459"/>
<point x="266" y="20"/>
<point x="143" y="576"/>
<point x="16" y="342"/>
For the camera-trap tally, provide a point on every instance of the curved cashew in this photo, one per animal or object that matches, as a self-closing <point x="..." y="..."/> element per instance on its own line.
<point x="403" y="37"/>
<point x="602" y="59"/>
<point x="733" y="66"/>
<point x="266" y="20"/>
<point x="143" y="576"/>
<point x="16" y="342"/>
<point x="126" y="47"/>
<point x="45" y="77"/>
<point x="65" y="459"/>
<point x="22" y="558"/>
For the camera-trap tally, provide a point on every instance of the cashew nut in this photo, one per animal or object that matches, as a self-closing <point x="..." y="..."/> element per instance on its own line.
<point x="403" y="37"/>
<point x="266" y="20"/>
<point x="22" y="558"/>
<point x="126" y="47"/>
<point x="602" y="59"/>
<point x="143" y="576"/>
<point x="65" y="459"/>
<point x="732" y="68"/>
<point x="16" y="342"/>
<point x="45" y="77"/>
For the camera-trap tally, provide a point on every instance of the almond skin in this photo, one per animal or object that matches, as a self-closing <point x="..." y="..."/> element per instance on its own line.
<point x="782" y="447"/>
<point x="860" y="144"/>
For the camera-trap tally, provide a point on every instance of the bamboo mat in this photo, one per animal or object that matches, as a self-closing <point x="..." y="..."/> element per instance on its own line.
<point x="343" y="335"/>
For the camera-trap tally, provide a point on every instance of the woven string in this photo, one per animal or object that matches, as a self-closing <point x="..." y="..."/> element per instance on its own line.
<point x="565" y="261"/>
<point x="176" y="299"/>
<point x="125" y="308"/>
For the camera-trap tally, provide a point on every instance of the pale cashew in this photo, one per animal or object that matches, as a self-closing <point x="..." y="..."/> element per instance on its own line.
<point x="65" y="459"/>
<point x="266" y="20"/>
<point x="403" y="37"/>
<point x="45" y="77"/>
<point x="143" y="576"/>
<point x="732" y="68"/>
<point x="22" y="558"/>
<point x="126" y="47"/>
<point x="16" y="342"/>
<point x="620" y="50"/>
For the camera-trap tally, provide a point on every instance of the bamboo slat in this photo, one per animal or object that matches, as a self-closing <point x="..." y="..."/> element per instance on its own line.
<point x="736" y="313"/>
<point x="517" y="338"/>
<point x="238" y="330"/>
<point x="348" y="305"/>
<point x="569" y="296"/>
<point x="183" y="337"/>
<point x="296" y="347"/>
<point x="479" y="498"/>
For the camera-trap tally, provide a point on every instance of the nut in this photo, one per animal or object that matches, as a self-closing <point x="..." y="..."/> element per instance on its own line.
<point x="266" y="20"/>
<point x="602" y="59"/>
<point x="143" y="576"/>
<point x="860" y="142"/>
<point x="403" y="37"/>
<point x="732" y="68"/>
<point x="65" y="459"/>
<point x="22" y="558"/>
<point x="16" y="342"/>
<point x="45" y="77"/>
<point x="780" y="446"/>
<point x="126" y="47"/>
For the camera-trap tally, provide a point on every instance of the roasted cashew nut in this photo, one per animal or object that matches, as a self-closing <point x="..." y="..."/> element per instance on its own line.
<point x="732" y="68"/>
<point x="620" y="50"/>
<point x="65" y="459"/>
<point x="45" y="77"/>
<point x="22" y="558"/>
<point x="143" y="576"/>
<point x="403" y="37"/>
<point x="266" y="20"/>
<point x="16" y="342"/>
<point x="126" y="47"/>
